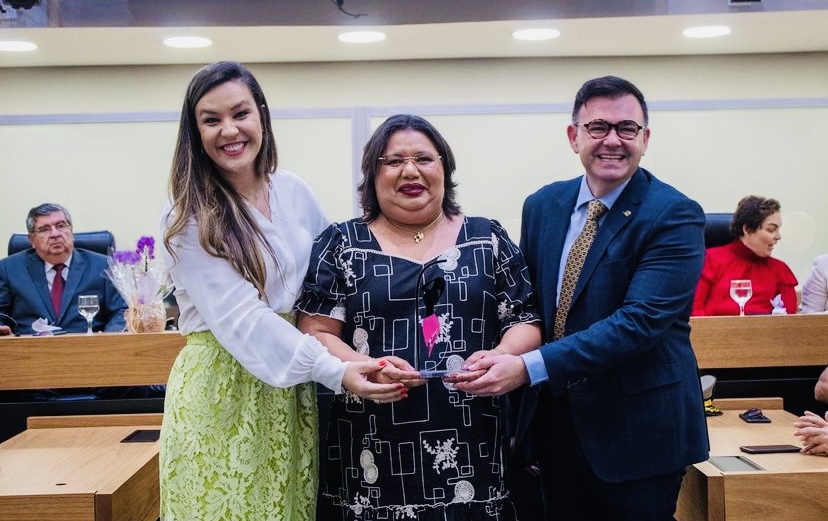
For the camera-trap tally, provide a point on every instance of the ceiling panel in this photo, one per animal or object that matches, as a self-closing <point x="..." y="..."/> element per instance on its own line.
<point x="111" y="32"/>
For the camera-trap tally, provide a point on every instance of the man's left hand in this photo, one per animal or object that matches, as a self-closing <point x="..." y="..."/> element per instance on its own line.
<point x="503" y="373"/>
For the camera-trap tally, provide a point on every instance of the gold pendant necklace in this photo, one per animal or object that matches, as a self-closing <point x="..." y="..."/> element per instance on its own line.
<point x="419" y="233"/>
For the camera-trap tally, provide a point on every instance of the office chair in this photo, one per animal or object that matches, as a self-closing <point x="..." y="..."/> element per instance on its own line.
<point x="717" y="229"/>
<point x="716" y="233"/>
<point x="102" y="242"/>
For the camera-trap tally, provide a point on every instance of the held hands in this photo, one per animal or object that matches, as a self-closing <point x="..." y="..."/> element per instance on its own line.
<point x="813" y="431"/>
<point x="468" y="374"/>
<point x="486" y="373"/>
<point x="485" y="353"/>
<point x="489" y="373"/>
<point x="397" y="370"/>
<point x="357" y="379"/>
<point x="380" y="380"/>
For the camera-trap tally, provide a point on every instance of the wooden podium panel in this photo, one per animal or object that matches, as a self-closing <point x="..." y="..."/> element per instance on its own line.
<point x="78" y="360"/>
<point x="79" y="474"/>
<point x="760" y="341"/>
<point x="65" y="472"/>
<point x="791" y="486"/>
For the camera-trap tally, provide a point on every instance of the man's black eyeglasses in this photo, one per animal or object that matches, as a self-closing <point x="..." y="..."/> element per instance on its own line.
<point x="598" y="128"/>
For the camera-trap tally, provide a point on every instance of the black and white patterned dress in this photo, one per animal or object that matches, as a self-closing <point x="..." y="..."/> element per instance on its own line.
<point x="436" y="454"/>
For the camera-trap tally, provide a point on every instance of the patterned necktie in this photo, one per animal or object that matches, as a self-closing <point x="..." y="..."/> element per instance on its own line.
<point x="57" y="289"/>
<point x="574" y="263"/>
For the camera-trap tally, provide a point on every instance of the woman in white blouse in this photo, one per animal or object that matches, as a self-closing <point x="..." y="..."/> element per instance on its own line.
<point x="240" y="421"/>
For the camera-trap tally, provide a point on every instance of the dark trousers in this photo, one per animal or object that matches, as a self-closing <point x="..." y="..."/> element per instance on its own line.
<point x="572" y="491"/>
<point x="524" y="485"/>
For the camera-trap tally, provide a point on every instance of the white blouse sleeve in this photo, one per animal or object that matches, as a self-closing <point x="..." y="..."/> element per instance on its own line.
<point x="213" y="296"/>
<point x="815" y="289"/>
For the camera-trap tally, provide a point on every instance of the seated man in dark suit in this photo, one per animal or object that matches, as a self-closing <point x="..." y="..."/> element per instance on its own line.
<point x="45" y="281"/>
<point x="27" y="279"/>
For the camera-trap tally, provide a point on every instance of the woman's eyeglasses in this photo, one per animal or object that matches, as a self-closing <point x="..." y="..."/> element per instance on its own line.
<point x="395" y="162"/>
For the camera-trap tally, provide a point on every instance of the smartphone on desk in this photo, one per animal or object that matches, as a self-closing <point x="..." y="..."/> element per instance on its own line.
<point x="769" y="449"/>
<point x="141" y="435"/>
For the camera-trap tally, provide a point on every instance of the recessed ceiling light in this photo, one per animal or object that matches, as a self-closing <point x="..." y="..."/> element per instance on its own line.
<point x="16" y="46"/>
<point x="536" y="34"/>
<point x="187" y="42"/>
<point x="362" y="37"/>
<point x="710" y="31"/>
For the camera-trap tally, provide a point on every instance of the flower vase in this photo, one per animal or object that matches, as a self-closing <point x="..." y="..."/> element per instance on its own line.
<point x="146" y="318"/>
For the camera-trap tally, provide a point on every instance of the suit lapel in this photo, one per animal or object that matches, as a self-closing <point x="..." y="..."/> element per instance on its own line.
<point x="36" y="269"/>
<point x="77" y="271"/>
<point x="555" y="217"/>
<point x="558" y="212"/>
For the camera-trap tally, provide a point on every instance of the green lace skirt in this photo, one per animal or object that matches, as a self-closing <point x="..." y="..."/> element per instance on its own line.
<point x="233" y="447"/>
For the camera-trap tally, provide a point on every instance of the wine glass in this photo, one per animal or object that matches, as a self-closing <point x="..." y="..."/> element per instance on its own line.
<point x="741" y="291"/>
<point x="88" y="307"/>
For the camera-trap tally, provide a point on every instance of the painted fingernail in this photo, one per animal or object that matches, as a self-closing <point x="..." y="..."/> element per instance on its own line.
<point x="382" y="363"/>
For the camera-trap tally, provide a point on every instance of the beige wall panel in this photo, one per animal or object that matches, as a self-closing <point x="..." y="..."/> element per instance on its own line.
<point x="113" y="175"/>
<point x="718" y="156"/>
<point x="50" y="90"/>
<point x="109" y="176"/>
<point x="319" y="151"/>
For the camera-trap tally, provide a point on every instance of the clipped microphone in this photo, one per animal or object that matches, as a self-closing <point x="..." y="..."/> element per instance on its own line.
<point x="434" y="291"/>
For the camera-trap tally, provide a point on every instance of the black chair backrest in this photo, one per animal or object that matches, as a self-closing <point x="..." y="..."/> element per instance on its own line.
<point x="717" y="229"/>
<point x="101" y="242"/>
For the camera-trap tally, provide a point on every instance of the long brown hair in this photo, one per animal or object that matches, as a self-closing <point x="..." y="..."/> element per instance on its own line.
<point x="226" y="227"/>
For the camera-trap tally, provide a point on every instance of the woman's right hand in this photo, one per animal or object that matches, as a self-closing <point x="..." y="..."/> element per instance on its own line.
<point x="358" y="379"/>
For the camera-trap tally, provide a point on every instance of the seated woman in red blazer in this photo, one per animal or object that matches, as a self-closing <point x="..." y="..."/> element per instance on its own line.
<point x="755" y="228"/>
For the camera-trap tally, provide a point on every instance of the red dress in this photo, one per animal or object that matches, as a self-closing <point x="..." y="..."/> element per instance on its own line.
<point x="769" y="277"/>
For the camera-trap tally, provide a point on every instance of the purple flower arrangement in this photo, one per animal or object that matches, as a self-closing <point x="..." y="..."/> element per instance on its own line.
<point x="137" y="275"/>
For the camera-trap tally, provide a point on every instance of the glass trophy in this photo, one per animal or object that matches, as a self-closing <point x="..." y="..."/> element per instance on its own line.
<point x="428" y="331"/>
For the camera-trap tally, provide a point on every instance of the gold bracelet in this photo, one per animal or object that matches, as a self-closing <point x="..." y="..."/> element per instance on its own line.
<point x="499" y="350"/>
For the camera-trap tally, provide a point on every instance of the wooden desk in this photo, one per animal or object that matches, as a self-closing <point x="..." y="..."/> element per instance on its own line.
<point x="79" y="474"/>
<point x="792" y="486"/>
<point x="760" y="341"/>
<point x="78" y="360"/>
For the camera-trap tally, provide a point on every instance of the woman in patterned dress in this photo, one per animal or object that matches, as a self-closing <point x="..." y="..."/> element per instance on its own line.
<point x="434" y="454"/>
<point x="239" y="414"/>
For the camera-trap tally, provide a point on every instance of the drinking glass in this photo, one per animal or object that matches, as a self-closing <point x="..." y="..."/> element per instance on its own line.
<point x="741" y="291"/>
<point x="88" y="307"/>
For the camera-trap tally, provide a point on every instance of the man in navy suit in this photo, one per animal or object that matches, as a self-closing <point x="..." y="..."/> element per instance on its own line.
<point x="27" y="278"/>
<point x="613" y="412"/>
